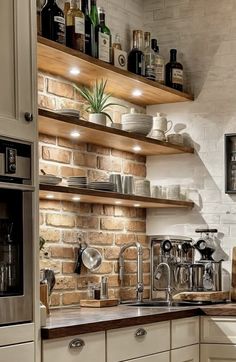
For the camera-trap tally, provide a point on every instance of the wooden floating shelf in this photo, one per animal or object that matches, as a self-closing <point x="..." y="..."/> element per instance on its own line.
<point x="58" y="59"/>
<point x="64" y="193"/>
<point x="55" y="124"/>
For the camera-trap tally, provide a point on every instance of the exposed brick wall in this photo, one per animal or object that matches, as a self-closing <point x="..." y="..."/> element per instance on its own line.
<point x="105" y="227"/>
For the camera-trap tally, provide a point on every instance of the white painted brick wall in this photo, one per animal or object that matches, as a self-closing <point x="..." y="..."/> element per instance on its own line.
<point x="203" y="31"/>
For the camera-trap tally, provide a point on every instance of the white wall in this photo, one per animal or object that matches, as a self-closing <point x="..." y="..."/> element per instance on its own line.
<point x="203" y="31"/>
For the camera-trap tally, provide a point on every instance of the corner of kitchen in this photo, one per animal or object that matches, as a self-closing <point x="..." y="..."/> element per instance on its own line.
<point x="117" y="181"/>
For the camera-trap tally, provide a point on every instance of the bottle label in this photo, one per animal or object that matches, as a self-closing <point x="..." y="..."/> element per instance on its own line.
<point x="59" y="19"/>
<point x="79" y="26"/>
<point x="104" y="47"/>
<point x="177" y="76"/>
<point x="59" y="29"/>
<point x="150" y="72"/>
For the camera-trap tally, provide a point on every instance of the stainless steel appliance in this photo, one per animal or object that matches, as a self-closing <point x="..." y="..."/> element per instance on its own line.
<point x="16" y="234"/>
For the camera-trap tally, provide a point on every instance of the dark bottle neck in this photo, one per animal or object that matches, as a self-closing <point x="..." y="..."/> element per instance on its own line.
<point x="85" y="7"/>
<point x="102" y="18"/>
<point x="173" y="55"/>
<point x="51" y="2"/>
<point x="93" y="3"/>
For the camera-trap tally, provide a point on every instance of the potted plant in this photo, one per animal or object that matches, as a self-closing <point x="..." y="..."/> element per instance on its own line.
<point x="98" y="101"/>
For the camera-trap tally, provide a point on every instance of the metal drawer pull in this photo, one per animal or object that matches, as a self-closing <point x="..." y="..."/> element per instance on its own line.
<point x="141" y="332"/>
<point x="76" y="344"/>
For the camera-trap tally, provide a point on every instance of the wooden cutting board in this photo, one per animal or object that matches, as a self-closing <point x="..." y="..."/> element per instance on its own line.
<point x="102" y="303"/>
<point x="202" y="296"/>
<point x="233" y="289"/>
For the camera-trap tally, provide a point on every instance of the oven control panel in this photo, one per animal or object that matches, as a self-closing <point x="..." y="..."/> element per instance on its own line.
<point x="10" y="157"/>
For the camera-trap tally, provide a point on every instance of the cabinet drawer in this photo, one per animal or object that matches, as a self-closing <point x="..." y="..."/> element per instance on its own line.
<point x="184" y="332"/>
<point x="217" y="353"/>
<point x="218" y="330"/>
<point x="138" y="341"/>
<point x="87" y="348"/>
<point x="186" y="354"/>
<point x="19" y="352"/>
<point x="160" y="357"/>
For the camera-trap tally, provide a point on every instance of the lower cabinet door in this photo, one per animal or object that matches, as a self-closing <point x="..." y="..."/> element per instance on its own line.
<point x="218" y="353"/>
<point x="17" y="353"/>
<point x="186" y="354"/>
<point x="159" y="357"/>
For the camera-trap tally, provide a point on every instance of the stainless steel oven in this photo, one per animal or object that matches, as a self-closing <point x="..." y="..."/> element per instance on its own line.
<point x="16" y="234"/>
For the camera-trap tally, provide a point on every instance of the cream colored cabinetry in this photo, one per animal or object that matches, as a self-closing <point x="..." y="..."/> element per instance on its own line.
<point x="160" y="357"/>
<point x="17" y="68"/>
<point x="20" y="352"/>
<point x="186" y="354"/>
<point x="218" y="353"/>
<point x="184" y="332"/>
<point x="83" y="348"/>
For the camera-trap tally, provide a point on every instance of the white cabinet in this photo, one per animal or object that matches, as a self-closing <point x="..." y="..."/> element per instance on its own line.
<point x="17" y="68"/>
<point x="184" y="332"/>
<point x="186" y="354"/>
<point x="17" y="353"/>
<point x="218" y="330"/>
<point x="83" y="348"/>
<point x="160" y="357"/>
<point x="138" y="341"/>
<point x="218" y="353"/>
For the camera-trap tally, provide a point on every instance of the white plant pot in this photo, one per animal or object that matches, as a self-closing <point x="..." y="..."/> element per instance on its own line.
<point x="97" y="118"/>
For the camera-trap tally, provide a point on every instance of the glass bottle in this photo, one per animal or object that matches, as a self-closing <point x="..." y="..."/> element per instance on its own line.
<point x="149" y="58"/>
<point x="53" y="22"/>
<point x="66" y="9"/>
<point x="88" y="27"/>
<point x="159" y="63"/>
<point x="75" y="27"/>
<point x="116" y="45"/>
<point x="174" y="72"/>
<point x="95" y="21"/>
<point x="103" y="38"/>
<point x="136" y="56"/>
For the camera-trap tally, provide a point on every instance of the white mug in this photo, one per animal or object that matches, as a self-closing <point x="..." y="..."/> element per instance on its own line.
<point x="160" y="123"/>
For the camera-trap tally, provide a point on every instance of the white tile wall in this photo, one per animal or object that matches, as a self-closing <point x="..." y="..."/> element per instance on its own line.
<point x="204" y="34"/>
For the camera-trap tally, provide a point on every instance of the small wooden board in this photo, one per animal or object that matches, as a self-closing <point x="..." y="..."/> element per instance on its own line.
<point x="102" y="303"/>
<point x="202" y="296"/>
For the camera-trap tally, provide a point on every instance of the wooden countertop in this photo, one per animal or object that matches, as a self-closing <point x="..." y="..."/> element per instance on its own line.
<point x="73" y="321"/>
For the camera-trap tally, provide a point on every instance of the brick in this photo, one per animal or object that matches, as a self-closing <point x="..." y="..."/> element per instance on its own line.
<point x="131" y="254"/>
<point x="50" y="234"/>
<point x="74" y="144"/>
<point x="68" y="267"/>
<point x="55" y="154"/>
<point x="78" y="207"/>
<point x="83" y="282"/>
<point x="47" y="139"/>
<point x="130" y="212"/>
<point x="121" y="239"/>
<point x="50" y="205"/>
<point x="99" y="209"/>
<point x="111" y="224"/>
<point x="100" y="238"/>
<point x="65" y="103"/>
<point x="105" y="268"/>
<point x="65" y="283"/>
<point x="48" y="168"/>
<point x="94" y="175"/>
<point x="112" y="253"/>
<point x="109" y="164"/>
<point x="67" y="171"/>
<point x="128" y="156"/>
<point x="136" y="226"/>
<point x="63" y="221"/>
<point x="62" y="252"/>
<point x="41" y="83"/>
<point x="59" y="88"/>
<point x="55" y="299"/>
<point x="134" y="169"/>
<point x="98" y="149"/>
<point x="46" y="102"/>
<point x="114" y="293"/>
<point x="84" y="159"/>
<point x="51" y="264"/>
<point x="87" y="222"/>
<point x="72" y="236"/>
<point x="74" y="297"/>
<point x="113" y="281"/>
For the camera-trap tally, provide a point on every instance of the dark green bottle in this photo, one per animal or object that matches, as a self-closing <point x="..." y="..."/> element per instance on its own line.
<point x="95" y="21"/>
<point x="103" y="38"/>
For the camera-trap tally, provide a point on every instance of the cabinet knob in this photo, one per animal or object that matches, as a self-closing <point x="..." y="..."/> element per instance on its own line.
<point x="29" y="117"/>
<point x="141" y="332"/>
<point x="76" y="344"/>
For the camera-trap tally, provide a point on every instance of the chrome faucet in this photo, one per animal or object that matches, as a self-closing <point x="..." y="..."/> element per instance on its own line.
<point x="139" y="285"/>
<point x="168" y="289"/>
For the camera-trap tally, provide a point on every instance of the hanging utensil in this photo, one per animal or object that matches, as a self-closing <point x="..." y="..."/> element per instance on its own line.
<point x="91" y="258"/>
<point x="79" y="262"/>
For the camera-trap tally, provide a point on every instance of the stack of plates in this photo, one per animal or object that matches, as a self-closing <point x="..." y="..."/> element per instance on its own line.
<point x="49" y="179"/>
<point x="77" y="181"/>
<point x="142" y="188"/>
<point x="102" y="186"/>
<point x="137" y="123"/>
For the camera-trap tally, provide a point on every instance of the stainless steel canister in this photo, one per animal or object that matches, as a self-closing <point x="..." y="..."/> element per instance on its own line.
<point x="197" y="273"/>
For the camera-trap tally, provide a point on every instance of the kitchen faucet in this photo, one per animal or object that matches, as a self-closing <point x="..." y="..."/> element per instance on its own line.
<point x="158" y="275"/>
<point x="139" y="285"/>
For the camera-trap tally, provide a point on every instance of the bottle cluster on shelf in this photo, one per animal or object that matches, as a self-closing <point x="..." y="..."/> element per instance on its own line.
<point x="83" y="27"/>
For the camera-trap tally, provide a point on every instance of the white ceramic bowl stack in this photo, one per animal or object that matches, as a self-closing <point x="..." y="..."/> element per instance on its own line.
<point x="77" y="181"/>
<point x="137" y="123"/>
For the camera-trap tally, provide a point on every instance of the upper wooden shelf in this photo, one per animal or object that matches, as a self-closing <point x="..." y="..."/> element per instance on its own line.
<point x="54" y="124"/>
<point x="64" y="193"/>
<point x="58" y="59"/>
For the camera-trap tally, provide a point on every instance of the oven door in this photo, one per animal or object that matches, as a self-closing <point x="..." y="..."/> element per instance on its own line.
<point x="16" y="253"/>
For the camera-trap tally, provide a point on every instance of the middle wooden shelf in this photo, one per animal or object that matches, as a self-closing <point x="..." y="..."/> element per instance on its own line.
<point x="64" y="193"/>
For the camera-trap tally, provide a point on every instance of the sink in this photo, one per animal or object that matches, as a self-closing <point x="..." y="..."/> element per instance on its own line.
<point x="164" y="304"/>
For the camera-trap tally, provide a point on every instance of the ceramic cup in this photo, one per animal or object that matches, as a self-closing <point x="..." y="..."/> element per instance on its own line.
<point x="117" y="180"/>
<point x="176" y="138"/>
<point x="128" y="185"/>
<point x="160" y="123"/>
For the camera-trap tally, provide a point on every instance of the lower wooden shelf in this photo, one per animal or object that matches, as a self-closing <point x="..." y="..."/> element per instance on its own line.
<point x="64" y="193"/>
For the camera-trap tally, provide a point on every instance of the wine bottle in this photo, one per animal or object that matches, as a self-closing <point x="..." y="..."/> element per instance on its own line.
<point x="136" y="56"/>
<point x="174" y="72"/>
<point x="116" y="45"/>
<point x="75" y="27"/>
<point x="103" y="38"/>
<point x="53" y="22"/>
<point x="149" y="58"/>
<point x="88" y="27"/>
<point x="159" y="63"/>
<point x="95" y="21"/>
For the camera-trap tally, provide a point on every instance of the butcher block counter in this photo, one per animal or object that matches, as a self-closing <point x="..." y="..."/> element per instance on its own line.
<point x="73" y="321"/>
